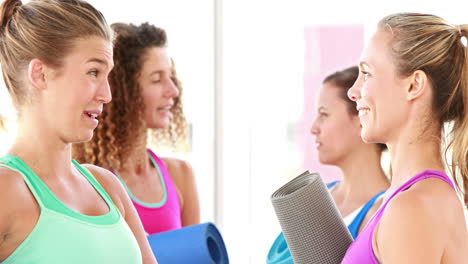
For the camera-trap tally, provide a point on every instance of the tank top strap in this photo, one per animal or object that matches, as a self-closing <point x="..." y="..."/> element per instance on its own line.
<point x="92" y="180"/>
<point x="332" y="184"/>
<point x="361" y="250"/>
<point x="160" y="164"/>
<point x="46" y="199"/>
<point x="356" y="223"/>
<point x="169" y="183"/>
<point x="418" y="177"/>
<point x="35" y="185"/>
<point x="422" y="176"/>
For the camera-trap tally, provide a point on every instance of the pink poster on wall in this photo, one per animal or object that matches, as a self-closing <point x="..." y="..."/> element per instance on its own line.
<point x="328" y="48"/>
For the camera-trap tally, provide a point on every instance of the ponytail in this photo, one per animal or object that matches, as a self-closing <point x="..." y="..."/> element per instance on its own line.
<point x="459" y="133"/>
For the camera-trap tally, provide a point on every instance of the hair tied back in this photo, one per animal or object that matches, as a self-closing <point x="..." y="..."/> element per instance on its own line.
<point x="463" y="38"/>
<point x="9" y="8"/>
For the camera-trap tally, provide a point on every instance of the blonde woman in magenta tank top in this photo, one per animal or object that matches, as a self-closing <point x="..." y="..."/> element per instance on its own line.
<point x="55" y="57"/>
<point x="146" y="101"/>
<point x="413" y="80"/>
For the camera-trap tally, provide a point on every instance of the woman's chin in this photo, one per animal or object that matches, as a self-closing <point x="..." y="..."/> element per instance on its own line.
<point x="326" y="160"/>
<point x="369" y="137"/>
<point x="84" y="137"/>
<point x="158" y="125"/>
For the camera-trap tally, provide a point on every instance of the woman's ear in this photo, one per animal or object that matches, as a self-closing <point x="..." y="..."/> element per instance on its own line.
<point x="36" y="74"/>
<point x="417" y="86"/>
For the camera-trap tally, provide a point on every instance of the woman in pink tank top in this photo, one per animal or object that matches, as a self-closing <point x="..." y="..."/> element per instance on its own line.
<point x="413" y="80"/>
<point x="146" y="101"/>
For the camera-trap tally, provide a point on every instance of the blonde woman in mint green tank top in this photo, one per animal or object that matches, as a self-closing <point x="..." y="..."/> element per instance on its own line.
<point x="55" y="56"/>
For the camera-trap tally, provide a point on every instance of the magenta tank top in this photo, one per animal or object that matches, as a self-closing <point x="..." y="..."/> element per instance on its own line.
<point x="162" y="216"/>
<point x="361" y="250"/>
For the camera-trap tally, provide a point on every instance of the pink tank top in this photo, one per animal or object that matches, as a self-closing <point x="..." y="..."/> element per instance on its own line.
<point x="162" y="216"/>
<point x="361" y="250"/>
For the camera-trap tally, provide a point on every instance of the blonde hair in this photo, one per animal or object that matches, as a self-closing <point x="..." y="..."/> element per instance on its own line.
<point x="431" y="44"/>
<point x="46" y="30"/>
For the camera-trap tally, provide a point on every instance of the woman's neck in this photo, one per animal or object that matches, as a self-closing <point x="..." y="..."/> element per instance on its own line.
<point x="412" y="156"/>
<point x="137" y="162"/>
<point x="415" y="145"/>
<point x="363" y="173"/>
<point x="43" y="151"/>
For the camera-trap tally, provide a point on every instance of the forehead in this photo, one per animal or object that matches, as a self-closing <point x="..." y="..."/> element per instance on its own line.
<point x="156" y="59"/>
<point x="377" y="54"/>
<point x="92" y="47"/>
<point x="329" y="95"/>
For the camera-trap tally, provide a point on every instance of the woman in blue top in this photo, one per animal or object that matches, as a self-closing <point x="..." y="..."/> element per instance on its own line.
<point x="338" y="140"/>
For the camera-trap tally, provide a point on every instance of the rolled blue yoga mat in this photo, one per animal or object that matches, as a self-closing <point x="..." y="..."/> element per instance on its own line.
<point x="197" y="244"/>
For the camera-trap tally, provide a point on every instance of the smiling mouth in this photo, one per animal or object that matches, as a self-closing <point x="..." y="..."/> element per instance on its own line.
<point x="92" y="115"/>
<point x="363" y="112"/>
<point x="164" y="109"/>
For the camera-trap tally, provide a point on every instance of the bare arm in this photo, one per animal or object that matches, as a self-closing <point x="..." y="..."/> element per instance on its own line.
<point x="8" y="185"/>
<point x="409" y="231"/>
<point x="183" y="177"/>
<point x="19" y="211"/>
<point x="118" y="194"/>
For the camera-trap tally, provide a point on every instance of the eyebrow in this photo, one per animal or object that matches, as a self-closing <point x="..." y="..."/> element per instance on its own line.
<point x="97" y="60"/>
<point x="363" y="64"/>
<point x="156" y="72"/>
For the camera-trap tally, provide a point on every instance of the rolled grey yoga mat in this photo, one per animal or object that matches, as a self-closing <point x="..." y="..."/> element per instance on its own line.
<point x="310" y="220"/>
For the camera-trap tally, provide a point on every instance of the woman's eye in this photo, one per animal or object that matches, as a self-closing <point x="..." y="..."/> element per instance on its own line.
<point x="365" y="74"/>
<point x="93" y="73"/>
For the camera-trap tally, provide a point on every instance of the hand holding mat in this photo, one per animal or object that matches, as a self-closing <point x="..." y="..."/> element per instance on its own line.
<point x="310" y="220"/>
<point x="197" y="244"/>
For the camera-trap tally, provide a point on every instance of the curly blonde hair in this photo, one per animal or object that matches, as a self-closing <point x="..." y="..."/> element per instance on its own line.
<point x="121" y="124"/>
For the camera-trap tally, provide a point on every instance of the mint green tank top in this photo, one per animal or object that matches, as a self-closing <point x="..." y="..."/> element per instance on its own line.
<point x="62" y="235"/>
